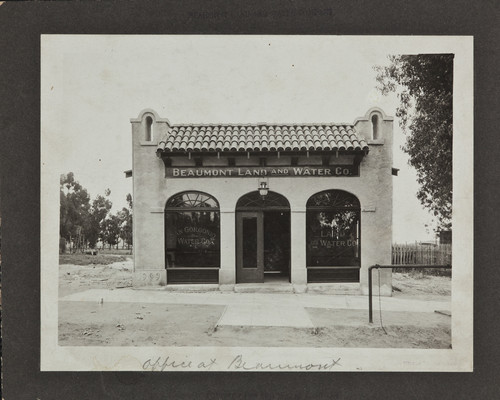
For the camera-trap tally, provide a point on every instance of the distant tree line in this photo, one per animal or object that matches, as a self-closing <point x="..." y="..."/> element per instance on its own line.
<point x="85" y="222"/>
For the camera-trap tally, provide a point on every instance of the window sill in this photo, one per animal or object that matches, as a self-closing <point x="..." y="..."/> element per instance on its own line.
<point x="335" y="267"/>
<point x="193" y="268"/>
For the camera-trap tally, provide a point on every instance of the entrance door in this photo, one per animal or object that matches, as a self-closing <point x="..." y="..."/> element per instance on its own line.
<point x="250" y="247"/>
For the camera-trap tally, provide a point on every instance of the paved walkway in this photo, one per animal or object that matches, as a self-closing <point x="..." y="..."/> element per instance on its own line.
<point x="260" y="309"/>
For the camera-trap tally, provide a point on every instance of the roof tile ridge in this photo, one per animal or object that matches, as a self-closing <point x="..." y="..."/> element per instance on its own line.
<point x="254" y="124"/>
<point x="212" y="124"/>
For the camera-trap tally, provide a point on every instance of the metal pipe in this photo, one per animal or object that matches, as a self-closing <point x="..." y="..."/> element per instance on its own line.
<point x="407" y="266"/>
<point x="370" y="305"/>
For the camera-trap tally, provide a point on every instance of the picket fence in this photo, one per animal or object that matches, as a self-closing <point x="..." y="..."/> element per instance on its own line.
<point x="421" y="254"/>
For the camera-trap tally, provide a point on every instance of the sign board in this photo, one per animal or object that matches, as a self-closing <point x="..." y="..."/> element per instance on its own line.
<point x="245" y="172"/>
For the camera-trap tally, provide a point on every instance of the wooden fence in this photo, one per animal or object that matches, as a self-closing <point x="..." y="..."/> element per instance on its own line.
<point x="421" y="254"/>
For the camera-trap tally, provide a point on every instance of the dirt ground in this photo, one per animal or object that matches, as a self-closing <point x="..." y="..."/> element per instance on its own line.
<point x="143" y="324"/>
<point x="132" y="324"/>
<point x="93" y="272"/>
<point x="421" y="287"/>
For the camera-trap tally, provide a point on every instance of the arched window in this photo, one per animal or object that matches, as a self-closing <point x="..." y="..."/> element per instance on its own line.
<point x="333" y="230"/>
<point x="192" y="231"/>
<point x="149" y="129"/>
<point x="375" y="127"/>
<point x="192" y="200"/>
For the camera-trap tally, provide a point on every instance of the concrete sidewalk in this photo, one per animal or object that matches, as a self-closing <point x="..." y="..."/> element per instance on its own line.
<point x="260" y="309"/>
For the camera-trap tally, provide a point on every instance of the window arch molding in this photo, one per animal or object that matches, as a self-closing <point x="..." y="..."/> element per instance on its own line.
<point x="333" y="198"/>
<point x="254" y="201"/>
<point x="191" y="200"/>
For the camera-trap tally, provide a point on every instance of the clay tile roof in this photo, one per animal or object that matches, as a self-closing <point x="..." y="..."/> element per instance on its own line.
<point x="261" y="138"/>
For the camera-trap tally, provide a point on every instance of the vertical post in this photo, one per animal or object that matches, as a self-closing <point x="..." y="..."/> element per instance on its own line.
<point x="227" y="272"/>
<point x="298" y="268"/>
<point x="370" y="305"/>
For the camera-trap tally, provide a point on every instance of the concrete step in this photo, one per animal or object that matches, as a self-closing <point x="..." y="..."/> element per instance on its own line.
<point x="192" y="288"/>
<point x="334" y="288"/>
<point x="263" y="288"/>
<point x="312" y="288"/>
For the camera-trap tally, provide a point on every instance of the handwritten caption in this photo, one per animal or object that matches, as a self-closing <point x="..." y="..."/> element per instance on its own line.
<point x="238" y="363"/>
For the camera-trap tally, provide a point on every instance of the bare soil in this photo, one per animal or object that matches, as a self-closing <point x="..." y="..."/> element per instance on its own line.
<point x="146" y="324"/>
<point x="99" y="272"/>
<point x="132" y="324"/>
<point x="87" y="259"/>
<point x="420" y="286"/>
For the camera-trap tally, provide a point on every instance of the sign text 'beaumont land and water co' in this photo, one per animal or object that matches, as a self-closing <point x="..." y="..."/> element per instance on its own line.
<point x="242" y="172"/>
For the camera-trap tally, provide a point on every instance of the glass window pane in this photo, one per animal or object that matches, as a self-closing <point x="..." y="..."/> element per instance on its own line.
<point x="192" y="238"/>
<point x="333" y="238"/>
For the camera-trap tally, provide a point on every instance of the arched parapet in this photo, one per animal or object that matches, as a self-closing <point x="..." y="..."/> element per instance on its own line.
<point x="371" y="112"/>
<point x="375" y="126"/>
<point x="149" y="127"/>
<point x="152" y="113"/>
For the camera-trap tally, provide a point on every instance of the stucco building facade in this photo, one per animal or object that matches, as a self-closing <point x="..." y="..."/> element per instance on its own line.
<point x="295" y="204"/>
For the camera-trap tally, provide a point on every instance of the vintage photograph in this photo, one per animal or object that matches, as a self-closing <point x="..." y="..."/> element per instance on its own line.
<point x="256" y="203"/>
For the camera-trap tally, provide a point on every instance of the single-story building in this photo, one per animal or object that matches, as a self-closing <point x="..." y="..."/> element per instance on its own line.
<point x="229" y="204"/>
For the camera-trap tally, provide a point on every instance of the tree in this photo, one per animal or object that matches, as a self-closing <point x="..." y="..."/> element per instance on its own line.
<point x="424" y="86"/>
<point x="111" y="230"/>
<point x="125" y="217"/>
<point x="98" y="213"/>
<point x="74" y="207"/>
<point x="129" y="201"/>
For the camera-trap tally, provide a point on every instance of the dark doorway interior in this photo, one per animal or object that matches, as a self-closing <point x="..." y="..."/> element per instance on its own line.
<point x="262" y="238"/>
<point x="277" y="246"/>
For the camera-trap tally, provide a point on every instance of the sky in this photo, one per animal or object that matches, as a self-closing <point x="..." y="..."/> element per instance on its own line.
<point x="92" y="86"/>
